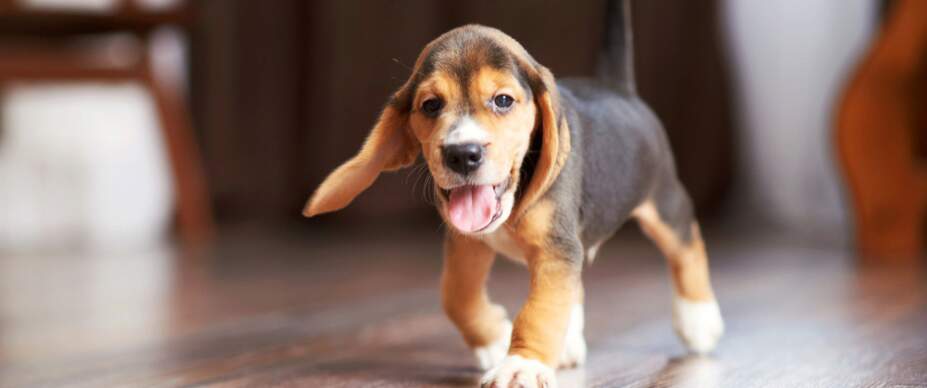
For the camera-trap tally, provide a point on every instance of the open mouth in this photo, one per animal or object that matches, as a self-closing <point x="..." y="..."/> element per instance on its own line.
<point x="472" y="208"/>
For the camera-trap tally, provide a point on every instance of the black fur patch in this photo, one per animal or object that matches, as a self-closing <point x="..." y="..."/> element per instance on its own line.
<point x="530" y="163"/>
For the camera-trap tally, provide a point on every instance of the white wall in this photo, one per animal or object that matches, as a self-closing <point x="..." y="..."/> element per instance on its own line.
<point x="81" y="164"/>
<point x="791" y="61"/>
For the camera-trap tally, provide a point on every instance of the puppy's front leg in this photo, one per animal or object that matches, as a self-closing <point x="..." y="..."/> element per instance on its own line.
<point x="540" y="328"/>
<point x="483" y="324"/>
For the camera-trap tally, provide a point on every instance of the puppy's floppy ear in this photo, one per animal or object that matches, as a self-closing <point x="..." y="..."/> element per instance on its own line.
<point x="555" y="136"/>
<point x="390" y="146"/>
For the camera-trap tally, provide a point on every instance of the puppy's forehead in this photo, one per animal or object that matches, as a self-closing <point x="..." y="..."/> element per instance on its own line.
<point x="463" y="51"/>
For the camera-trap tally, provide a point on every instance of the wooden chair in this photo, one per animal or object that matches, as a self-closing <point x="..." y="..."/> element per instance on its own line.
<point x="881" y="128"/>
<point x="39" y="46"/>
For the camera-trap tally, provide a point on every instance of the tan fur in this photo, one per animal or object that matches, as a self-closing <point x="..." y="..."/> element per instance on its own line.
<point x="463" y="290"/>
<point x="388" y="147"/>
<point x="430" y="132"/>
<point x="554" y="150"/>
<point x="555" y="287"/>
<point x="510" y="133"/>
<point x="532" y="230"/>
<point x="688" y="262"/>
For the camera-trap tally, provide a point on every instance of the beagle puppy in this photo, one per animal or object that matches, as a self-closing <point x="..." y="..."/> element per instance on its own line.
<point x="542" y="171"/>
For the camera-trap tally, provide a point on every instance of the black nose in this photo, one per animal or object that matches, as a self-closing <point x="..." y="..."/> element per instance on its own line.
<point x="463" y="158"/>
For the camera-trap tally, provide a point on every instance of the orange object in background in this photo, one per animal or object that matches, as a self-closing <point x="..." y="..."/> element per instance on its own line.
<point x="879" y="124"/>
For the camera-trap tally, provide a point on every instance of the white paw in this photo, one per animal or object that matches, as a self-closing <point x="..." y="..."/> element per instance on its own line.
<point x="698" y="324"/>
<point x="516" y="371"/>
<point x="574" y="345"/>
<point x="491" y="355"/>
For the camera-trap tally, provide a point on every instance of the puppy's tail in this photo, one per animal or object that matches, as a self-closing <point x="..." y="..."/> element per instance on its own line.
<point x="616" y="65"/>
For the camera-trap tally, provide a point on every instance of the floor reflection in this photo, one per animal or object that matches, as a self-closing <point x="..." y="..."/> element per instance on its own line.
<point x="689" y="372"/>
<point x="575" y="377"/>
<point x="58" y="306"/>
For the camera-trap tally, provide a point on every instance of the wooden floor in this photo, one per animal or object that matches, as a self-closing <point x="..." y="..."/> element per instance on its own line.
<point x="331" y="311"/>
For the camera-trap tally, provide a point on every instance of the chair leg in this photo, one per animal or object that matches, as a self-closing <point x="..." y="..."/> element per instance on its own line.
<point x="194" y="220"/>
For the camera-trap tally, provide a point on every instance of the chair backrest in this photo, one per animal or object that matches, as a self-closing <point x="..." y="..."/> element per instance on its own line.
<point x="70" y="17"/>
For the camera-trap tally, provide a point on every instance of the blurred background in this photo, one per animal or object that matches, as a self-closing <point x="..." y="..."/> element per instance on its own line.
<point x="131" y="128"/>
<point x="123" y="119"/>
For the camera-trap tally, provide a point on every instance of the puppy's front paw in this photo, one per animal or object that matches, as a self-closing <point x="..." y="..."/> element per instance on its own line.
<point x="574" y="346"/>
<point x="698" y="324"/>
<point x="491" y="355"/>
<point x="520" y="372"/>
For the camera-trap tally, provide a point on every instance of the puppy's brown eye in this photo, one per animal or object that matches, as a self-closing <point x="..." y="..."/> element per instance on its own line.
<point x="503" y="101"/>
<point x="431" y="106"/>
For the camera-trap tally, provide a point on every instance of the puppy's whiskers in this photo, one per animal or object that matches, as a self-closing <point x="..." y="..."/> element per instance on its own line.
<point x="417" y="172"/>
<point x="429" y="190"/>
<point x="421" y="174"/>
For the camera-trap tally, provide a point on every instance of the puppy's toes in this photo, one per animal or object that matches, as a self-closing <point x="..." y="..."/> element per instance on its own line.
<point x="698" y="324"/>
<point x="519" y="372"/>
<point x="574" y="346"/>
<point x="491" y="355"/>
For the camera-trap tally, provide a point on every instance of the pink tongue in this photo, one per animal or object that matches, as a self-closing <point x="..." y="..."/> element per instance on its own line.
<point x="471" y="207"/>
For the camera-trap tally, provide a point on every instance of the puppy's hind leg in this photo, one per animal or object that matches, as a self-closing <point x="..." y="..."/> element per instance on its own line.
<point x="668" y="220"/>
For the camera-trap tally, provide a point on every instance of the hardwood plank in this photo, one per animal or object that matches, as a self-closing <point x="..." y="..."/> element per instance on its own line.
<point x="362" y="309"/>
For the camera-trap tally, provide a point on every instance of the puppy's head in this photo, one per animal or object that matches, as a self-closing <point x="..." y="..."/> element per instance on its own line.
<point x="485" y="117"/>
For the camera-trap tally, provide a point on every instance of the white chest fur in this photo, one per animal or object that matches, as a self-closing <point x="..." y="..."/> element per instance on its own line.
<point x="501" y="241"/>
